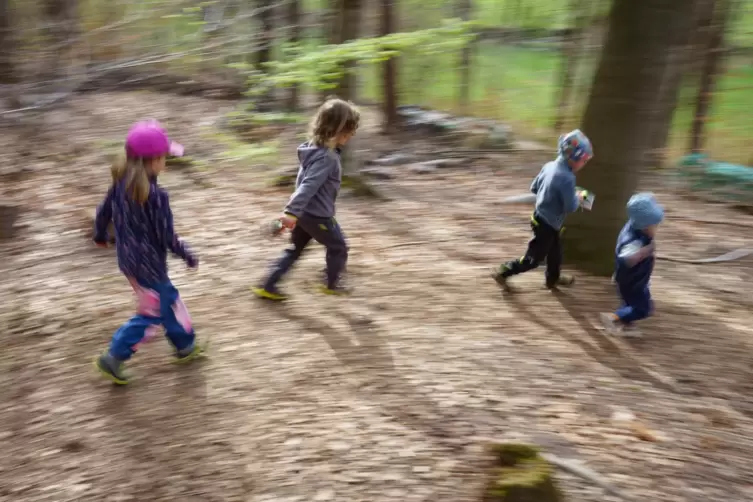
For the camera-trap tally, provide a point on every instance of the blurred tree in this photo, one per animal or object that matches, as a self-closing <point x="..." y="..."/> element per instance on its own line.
<point x="389" y="70"/>
<point x="294" y="25"/>
<point x="63" y="27"/>
<point x="618" y="117"/>
<point x="715" y="26"/>
<point x="263" y="53"/>
<point x="680" y="57"/>
<point x="571" y="43"/>
<point x="347" y="16"/>
<point x="464" y="12"/>
<point x="7" y="73"/>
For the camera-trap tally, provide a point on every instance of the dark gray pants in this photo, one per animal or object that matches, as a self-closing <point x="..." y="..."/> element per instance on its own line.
<point x="325" y="231"/>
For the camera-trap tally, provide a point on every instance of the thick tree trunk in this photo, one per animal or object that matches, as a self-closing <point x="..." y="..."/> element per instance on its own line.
<point x="464" y="88"/>
<point x="7" y="70"/>
<point x="571" y="45"/>
<point x="294" y="25"/>
<point x="389" y="71"/>
<point x="711" y="68"/>
<point x="617" y="119"/>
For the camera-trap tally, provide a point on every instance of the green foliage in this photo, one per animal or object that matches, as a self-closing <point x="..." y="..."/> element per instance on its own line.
<point x="324" y="66"/>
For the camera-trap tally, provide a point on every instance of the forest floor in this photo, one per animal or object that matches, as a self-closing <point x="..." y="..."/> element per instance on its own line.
<point x="389" y="395"/>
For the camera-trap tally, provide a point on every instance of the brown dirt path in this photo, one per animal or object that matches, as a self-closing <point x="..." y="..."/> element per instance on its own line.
<point x="388" y="395"/>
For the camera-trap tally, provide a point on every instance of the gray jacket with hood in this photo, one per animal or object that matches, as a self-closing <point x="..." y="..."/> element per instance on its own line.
<point x="318" y="182"/>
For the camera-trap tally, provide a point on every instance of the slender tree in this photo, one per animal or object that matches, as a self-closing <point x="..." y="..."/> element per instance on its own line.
<point x="294" y="25"/>
<point x="571" y="45"/>
<point x="464" y="11"/>
<point x="617" y="119"/>
<point x="712" y="66"/>
<point x="389" y="70"/>
<point x="7" y="70"/>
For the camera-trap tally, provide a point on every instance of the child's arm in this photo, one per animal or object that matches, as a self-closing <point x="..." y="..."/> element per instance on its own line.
<point x="166" y="232"/>
<point x="103" y="218"/>
<point x="570" y="197"/>
<point x="634" y="252"/>
<point x="535" y="184"/>
<point x="313" y="177"/>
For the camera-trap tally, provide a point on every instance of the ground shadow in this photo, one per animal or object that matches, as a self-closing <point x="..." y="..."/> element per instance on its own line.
<point x="371" y="360"/>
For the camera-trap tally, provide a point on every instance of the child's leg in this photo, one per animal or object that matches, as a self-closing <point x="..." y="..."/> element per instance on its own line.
<point x="299" y="238"/>
<point x="554" y="262"/>
<point x="538" y="248"/>
<point x="328" y="233"/>
<point x="176" y="320"/>
<point x="636" y="306"/>
<point x="127" y="338"/>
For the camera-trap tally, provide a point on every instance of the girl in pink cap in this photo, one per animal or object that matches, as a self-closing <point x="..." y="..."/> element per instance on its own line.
<point x="140" y="212"/>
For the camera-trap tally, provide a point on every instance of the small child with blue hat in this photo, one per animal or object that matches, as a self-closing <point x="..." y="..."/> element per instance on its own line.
<point x="556" y="197"/>
<point x="634" y="263"/>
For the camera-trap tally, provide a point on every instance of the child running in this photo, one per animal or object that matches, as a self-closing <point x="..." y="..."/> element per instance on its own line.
<point x="140" y="211"/>
<point x="310" y="212"/>
<point x="556" y="197"/>
<point x="634" y="263"/>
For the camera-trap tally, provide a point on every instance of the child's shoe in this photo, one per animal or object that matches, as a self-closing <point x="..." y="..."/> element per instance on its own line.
<point x="501" y="279"/>
<point x="189" y="354"/>
<point x="564" y="281"/>
<point x="339" y="290"/>
<point x="272" y="294"/>
<point x="111" y="368"/>
<point x="614" y="326"/>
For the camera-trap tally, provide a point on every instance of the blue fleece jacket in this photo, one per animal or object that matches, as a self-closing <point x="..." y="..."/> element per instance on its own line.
<point x="318" y="182"/>
<point x="555" y="193"/>
<point x="143" y="233"/>
<point x="632" y="278"/>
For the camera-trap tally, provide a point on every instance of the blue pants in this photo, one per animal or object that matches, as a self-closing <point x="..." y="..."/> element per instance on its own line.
<point x="159" y="305"/>
<point x="636" y="304"/>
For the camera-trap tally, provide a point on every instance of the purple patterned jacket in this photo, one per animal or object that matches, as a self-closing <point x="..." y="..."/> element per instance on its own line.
<point x="143" y="233"/>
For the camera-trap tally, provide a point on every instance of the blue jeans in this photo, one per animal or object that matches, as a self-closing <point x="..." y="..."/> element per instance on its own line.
<point x="636" y="304"/>
<point x="159" y="305"/>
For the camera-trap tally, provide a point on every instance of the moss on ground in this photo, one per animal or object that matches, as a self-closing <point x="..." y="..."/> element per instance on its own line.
<point x="520" y="474"/>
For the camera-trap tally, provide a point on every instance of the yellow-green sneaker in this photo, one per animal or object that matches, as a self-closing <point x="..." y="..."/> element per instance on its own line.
<point x="196" y="352"/>
<point x="339" y="290"/>
<point x="274" y="295"/>
<point x="111" y="369"/>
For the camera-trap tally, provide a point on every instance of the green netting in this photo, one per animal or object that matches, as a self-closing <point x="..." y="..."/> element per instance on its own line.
<point x="732" y="182"/>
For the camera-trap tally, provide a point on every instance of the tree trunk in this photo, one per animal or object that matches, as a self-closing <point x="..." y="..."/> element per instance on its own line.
<point x="294" y="25"/>
<point x="263" y="51"/>
<point x="677" y="67"/>
<point x="347" y="22"/>
<point x="7" y="71"/>
<point x="711" y="69"/>
<point x="464" y="89"/>
<point x="63" y="18"/>
<point x="389" y="70"/>
<point x="571" y="45"/>
<point x="617" y="119"/>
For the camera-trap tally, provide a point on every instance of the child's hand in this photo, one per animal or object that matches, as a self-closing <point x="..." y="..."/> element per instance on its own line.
<point x="101" y="244"/>
<point x="192" y="262"/>
<point x="582" y="195"/>
<point x="288" y="221"/>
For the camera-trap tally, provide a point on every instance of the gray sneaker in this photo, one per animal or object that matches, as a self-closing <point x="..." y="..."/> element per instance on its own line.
<point x="615" y="327"/>
<point x="111" y="368"/>
<point x="500" y="279"/>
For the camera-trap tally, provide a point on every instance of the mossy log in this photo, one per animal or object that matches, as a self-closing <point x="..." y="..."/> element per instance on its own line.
<point x="520" y="474"/>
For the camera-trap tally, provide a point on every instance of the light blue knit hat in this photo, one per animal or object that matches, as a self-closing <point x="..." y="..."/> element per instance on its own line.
<point x="574" y="146"/>
<point x="644" y="210"/>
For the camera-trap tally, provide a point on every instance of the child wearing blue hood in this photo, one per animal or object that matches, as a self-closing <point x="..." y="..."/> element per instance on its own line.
<point x="556" y="197"/>
<point x="310" y="212"/>
<point x="634" y="263"/>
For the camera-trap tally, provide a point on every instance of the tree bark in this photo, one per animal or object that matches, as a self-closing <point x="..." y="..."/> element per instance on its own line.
<point x="347" y="22"/>
<point x="464" y="88"/>
<point x="63" y="18"/>
<point x="617" y="119"/>
<point x="669" y="93"/>
<point x="571" y="45"/>
<point x="712" y="67"/>
<point x="7" y="66"/>
<point x="294" y="25"/>
<point x="389" y="71"/>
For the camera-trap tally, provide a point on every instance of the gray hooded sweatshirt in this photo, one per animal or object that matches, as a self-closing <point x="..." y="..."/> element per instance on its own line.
<point x="318" y="182"/>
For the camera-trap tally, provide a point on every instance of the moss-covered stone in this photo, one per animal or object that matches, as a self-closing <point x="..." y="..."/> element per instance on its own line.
<point x="520" y="474"/>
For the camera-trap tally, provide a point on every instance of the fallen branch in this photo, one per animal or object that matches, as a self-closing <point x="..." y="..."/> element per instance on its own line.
<point x="583" y="472"/>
